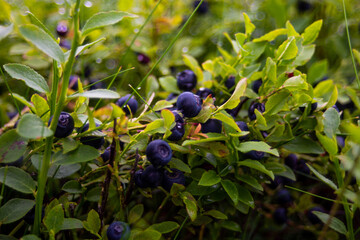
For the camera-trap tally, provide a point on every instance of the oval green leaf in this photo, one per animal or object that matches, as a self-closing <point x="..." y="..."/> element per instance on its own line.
<point x="17" y="179"/>
<point x="15" y="209"/>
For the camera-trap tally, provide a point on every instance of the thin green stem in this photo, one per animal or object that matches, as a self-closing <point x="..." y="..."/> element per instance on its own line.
<point x="166" y="51"/>
<point x="349" y="42"/>
<point x="160" y="208"/>
<point x="49" y="140"/>
<point x="182" y="225"/>
<point x="12" y="96"/>
<point x="142" y="99"/>
<point x="54" y="88"/>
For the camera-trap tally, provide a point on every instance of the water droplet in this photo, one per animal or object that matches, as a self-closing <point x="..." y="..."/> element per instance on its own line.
<point x="59" y="2"/>
<point x="139" y="88"/>
<point x="185" y="49"/>
<point x="136" y="30"/>
<point x="62" y="11"/>
<point x="88" y="4"/>
<point x="99" y="60"/>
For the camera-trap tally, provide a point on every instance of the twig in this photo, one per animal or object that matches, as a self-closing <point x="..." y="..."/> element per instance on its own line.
<point x="131" y="182"/>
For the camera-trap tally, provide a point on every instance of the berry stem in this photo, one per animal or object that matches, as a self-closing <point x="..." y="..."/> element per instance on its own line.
<point x="131" y="182"/>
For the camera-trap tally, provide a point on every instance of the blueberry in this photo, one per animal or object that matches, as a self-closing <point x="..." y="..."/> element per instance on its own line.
<point x="132" y="104"/>
<point x="152" y="176"/>
<point x="255" y="105"/>
<point x="243" y="127"/>
<point x="11" y="115"/>
<point x="159" y="153"/>
<point x="204" y="92"/>
<point x="302" y="167"/>
<point x="256" y="85"/>
<point x="189" y="104"/>
<point x="230" y="82"/>
<point x="73" y="82"/>
<point x="171" y="96"/>
<point x="65" y="125"/>
<point x="176" y="176"/>
<point x="255" y="155"/>
<point x="62" y="29"/>
<point x="280" y="216"/>
<point x="186" y="80"/>
<point x="336" y="108"/>
<point x="312" y="217"/>
<point x="313" y="107"/>
<point x="211" y="126"/>
<point x="118" y="231"/>
<point x="283" y="197"/>
<point x="278" y="181"/>
<point x="340" y="142"/>
<point x="95" y="84"/>
<point x="142" y="58"/>
<point x="178" y="130"/>
<point x="303" y="6"/>
<point x="87" y="70"/>
<point x="291" y="161"/>
<point x="93" y="141"/>
<point x="138" y="179"/>
<point x="204" y="7"/>
<point x="64" y="43"/>
<point x="106" y="154"/>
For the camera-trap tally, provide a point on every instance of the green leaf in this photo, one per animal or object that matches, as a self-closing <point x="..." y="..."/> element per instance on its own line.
<point x="155" y="127"/>
<point x="234" y="100"/>
<point x="15" y="209"/>
<point x="211" y="138"/>
<point x="291" y="30"/>
<point x="335" y="223"/>
<point x="287" y="50"/>
<point x="228" y="120"/>
<point x="17" y="179"/>
<point x="216" y="214"/>
<point x="331" y="122"/>
<point x="231" y="190"/>
<point x="276" y="102"/>
<point x="165" y="227"/>
<point x="30" y="237"/>
<point x="32" y="127"/>
<point x="249" y="27"/>
<point x="317" y="71"/>
<point x="271" y="70"/>
<point x="148" y="234"/>
<point x="97" y="93"/>
<point x="12" y="146"/>
<point x="303" y="145"/>
<point x="272" y="35"/>
<point x="180" y="165"/>
<point x="22" y="100"/>
<point x="190" y="204"/>
<point x="159" y="105"/>
<point x="169" y="84"/>
<point x="84" y="153"/>
<point x="168" y="117"/>
<point x="323" y="178"/>
<point x="82" y="48"/>
<point x="257" y="146"/>
<point x="257" y="166"/>
<point x="43" y="41"/>
<point x="69" y="144"/>
<point x="244" y="196"/>
<point x="104" y="19"/>
<point x="92" y="223"/>
<point x="41" y="107"/>
<point x="311" y="32"/>
<point x="5" y="31"/>
<point x="329" y="144"/>
<point x="31" y="78"/>
<point x="209" y="178"/>
<point x="34" y="20"/>
<point x="250" y="180"/>
<point x="55" y="219"/>
<point x="295" y="83"/>
<point x="135" y="213"/>
<point x="71" y="223"/>
<point x="231" y="225"/>
<point x="72" y="186"/>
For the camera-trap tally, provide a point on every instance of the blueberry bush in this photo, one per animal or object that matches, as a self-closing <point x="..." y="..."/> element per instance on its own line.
<point x="179" y="119"/>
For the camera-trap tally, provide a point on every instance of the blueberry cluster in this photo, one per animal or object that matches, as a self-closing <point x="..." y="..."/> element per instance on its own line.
<point x="118" y="231"/>
<point x="159" y="153"/>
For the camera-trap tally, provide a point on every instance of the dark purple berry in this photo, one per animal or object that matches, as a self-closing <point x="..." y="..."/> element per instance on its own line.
<point x="132" y="104"/>
<point x="178" y="130"/>
<point x="186" y="80"/>
<point x="118" y="231"/>
<point x="255" y="105"/>
<point x="189" y="104"/>
<point x="106" y="154"/>
<point x="313" y="107"/>
<point x="159" y="153"/>
<point x="62" y="29"/>
<point x="176" y="176"/>
<point x="64" y="43"/>
<point x="280" y="216"/>
<point x="73" y="82"/>
<point x="255" y="155"/>
<point x="94" y="141"/>
<point x="256" y="85"/>
<point x="65" y="125"/>
<point x="152" y="176"/>
<point x="243" y="127"/>
<point x="312" y="217"/>
<point x="204" y="7"/>
<point x="304" y="6"/>
<point x="230" y="82"/>
<point x="204" y="93"/>
<point x="142" y="58"/>
<point x="211" y="126"/>
<point x="95" y="84"/>
<point x="291" y="161"/>
<point x="283" y="197"/>
<point x="138" y="179"/>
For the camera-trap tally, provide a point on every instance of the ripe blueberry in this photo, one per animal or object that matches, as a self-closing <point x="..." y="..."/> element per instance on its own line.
<point x="142" y="58"/>
<point x="256" y="85"/>
<point x="255" y="155"/>
<point x="340" y="142"/>
<point x="291" y="161"/>
<point x="62" y="29"/>
<point x="73" y="82"/>
<point x="93" y="141"/>
<point x="243" y="127"/>
<point x="138" y="179"/>
<point x="87" y="70"/>
<point x="283" y="197"/>
<point x="159" y="153"/>
<point x="204" y="92"/>
<point x="189" y="104"/>
<point x="303" y="6"/>
<point x="230" y="82"/>
<point x="278" y="181"/>
<point x="186" y="80"/>
<point x="132" y="104"/>
<point x="280" y="216"/>
<point x="96" y="85"/>
<point x="171" y="96"/>
<point x="176" y="176"/>
<point x="302" y="167"/>
<point x="204" y="7"/>
<point x="313" y="107"/>
<point x="312" y="217"/>
<point x="255" y="105"/>
<point x="64" y="43"/>
<point x="211" y="126"/>
<point x="106" y="154"/>
<point x="118" y="231"/>
<point x="65" y="125"/>
<point x="151" y="177"/>
<point x="178" y="130"/>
